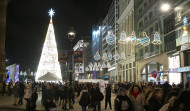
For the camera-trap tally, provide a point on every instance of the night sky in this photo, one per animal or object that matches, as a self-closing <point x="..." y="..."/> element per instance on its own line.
<point x="28" y="20"/>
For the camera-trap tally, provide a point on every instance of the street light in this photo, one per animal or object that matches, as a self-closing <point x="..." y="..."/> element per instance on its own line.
<point x="165" y="7"/>
<point x="71" y="36"/>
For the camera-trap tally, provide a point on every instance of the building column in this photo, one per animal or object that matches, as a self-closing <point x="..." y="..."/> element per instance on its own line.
<point x="3" y="14"/>
<point x="146" y="72"/>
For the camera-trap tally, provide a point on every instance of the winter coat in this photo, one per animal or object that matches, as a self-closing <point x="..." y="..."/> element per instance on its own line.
<point x="108" y="92"/>
<point x="167" y="106"/>
<point x="97" y="96"/>
<point x="22" y="87"/>
<point x="138" y="102"/>
<point x="84" y="99"/>
<point x="16" y="91"/>
<point x="28" y="93"/>
<point x="154" y="104"/>
<point x="65" y="92"/>
<point x="48" y="95"/>
<point x="118" y="102"/>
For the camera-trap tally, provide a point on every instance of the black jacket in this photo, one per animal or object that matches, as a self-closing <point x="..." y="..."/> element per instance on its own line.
<point x="154" y="105"/>
<point x="108" y="92"/>
<point x="118" y="103"/>
<point x="97" y="96"/>
<point x="85" y="99"/>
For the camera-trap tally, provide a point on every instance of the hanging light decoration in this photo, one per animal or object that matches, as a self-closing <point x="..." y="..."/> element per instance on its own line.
<point x="101" y="69"/>
<point x="110" y="38"/>
<point x="145" y="40"/>
<point x="93" y="69"/>
<point x="87" y="69"/>
<point x="90" y="65"/>
<point x="110" y="56"/>
<point x="90" y="69"/>
<point x="123" y="56"/>
<point x="103" y="65"/>
<point x="123" y="38"/>
<point x="99" y="65"/>
<point x="133" y="38"/>
<point x="97" y="56"/>
<point x="108" y="65"/>
<point x="104" y="57"/>
<point x="95" y="65"/>
<point x="116" y="56"/>
<point x="156" y="40"/>
<point x="97" y="69"/>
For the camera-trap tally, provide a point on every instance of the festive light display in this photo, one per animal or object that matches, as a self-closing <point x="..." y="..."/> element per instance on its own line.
<point x="133" y="38"/>
<point x="103" y="65"/>
<point x="110" y="38"/>
<point x="116" y="56"/>
<point x="110" y="56"/>
<point x="123" y="38"/>
<point x="104" y="57"/>
<point x="123" y="56"/>
<point x="145" y="40"/>
<point x="97" y="56"/>
<point x="49" y="58"/>
<point x="156" y="40"/>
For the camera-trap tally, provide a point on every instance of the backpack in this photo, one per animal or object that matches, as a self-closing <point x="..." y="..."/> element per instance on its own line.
<point x="101" y="96"/>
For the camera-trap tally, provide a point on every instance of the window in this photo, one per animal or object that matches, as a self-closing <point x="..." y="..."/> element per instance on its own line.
<point x="150" y="15"/>
<point x="134" y="64"/>
<point x="145" y="19"/>
<point x="141" y="52"/>
<point x="140" y="9"/>
<point x="156" y="27"/>
<point x="151" y="31"/>
<point x="140" y="24"/>
<point x="145" y="4"/>
<point x="152" y="48"/>
<point x="130" y="75"/>
<point x="134" y="74"/>
<point x="129" y="65"/>
<point x="146" y="49"/>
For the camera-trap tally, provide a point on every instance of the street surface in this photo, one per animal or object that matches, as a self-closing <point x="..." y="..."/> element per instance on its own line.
<point x="6" y="104"/>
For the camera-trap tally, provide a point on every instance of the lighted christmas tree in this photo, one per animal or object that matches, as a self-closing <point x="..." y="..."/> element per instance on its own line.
<point x="49" y="67"/>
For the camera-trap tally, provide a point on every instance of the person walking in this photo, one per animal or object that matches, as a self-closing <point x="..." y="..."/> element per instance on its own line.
<point x="48" y="97"/>
<point x="4" y="86"/>
<point x="10" y="88"/>
<point x="154" y="101"/>
<point x="16" y="91"/>
<point x="31" y="106"/>
<point x="97" y="97"/>
<point x="84" y="99"/>
<point x="137" y="98"/>
<point x="21" y="94"/>
<point x="27" y="93"/>
<point x="65" y="96"/>
<point x="71" y="97"/>
<point x="108" y="97"/>
<point x="122" y="102"/>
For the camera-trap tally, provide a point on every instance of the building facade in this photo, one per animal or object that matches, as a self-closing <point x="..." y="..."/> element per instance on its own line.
<point x="148" y="20"/>
<point x="126" y="67"/>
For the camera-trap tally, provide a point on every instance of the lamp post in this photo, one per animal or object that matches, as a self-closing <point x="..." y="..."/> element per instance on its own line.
<point x="71" y="36"/>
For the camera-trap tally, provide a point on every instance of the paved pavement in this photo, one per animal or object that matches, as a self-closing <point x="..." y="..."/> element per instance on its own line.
<point x="6" y="104"/>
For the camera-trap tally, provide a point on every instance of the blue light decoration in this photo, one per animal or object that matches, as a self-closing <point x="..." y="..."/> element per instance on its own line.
<point x="110" y="56"/>
<point x="110" y="38"/>
<point x="133" y="38"/>
<point x="104" y="57"/>
<point x="185" y="21"/>
<point x="156" y="40"/>
<point x="123" y="38"/>
<point x="145" y="40"/>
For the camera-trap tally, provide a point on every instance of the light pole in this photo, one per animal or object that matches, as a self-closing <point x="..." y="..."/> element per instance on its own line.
<point x="71" y="36"/>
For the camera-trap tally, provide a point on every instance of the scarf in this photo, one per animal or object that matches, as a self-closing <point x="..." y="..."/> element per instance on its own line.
<point x="136" y="94"/>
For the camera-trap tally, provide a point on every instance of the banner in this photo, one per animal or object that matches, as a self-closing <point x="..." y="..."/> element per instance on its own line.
<point x="78" y="56"/>
<point x="79" y="68"/>
<point x="62" y="55"/>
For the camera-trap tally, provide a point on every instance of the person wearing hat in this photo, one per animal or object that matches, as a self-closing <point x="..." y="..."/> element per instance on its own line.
<point x="122" y="102"/>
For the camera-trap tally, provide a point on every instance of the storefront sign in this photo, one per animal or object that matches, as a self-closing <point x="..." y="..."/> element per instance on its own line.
<point x="184" y="69"/>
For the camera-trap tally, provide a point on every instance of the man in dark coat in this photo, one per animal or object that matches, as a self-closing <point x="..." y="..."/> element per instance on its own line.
<point x="65" y="96"/>
<point x="97" y="97"/>
<point x="21" y="93"/>
<point x="108" y="97"/>
<point x="122" y="102"/>
<point x="84" y="100"/>
<point x="4" y="86"/>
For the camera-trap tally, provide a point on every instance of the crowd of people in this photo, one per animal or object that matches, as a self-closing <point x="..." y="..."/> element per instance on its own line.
<point x="129" y="96"/>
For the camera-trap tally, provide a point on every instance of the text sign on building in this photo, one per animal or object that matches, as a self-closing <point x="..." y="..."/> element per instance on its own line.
<point x="184" y="69"/>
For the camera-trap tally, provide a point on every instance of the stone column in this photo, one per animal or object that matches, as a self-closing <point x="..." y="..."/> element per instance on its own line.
<point x="3" y="14"/>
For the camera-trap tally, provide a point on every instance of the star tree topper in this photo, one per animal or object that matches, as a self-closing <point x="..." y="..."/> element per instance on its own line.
<point x="51" y="12"/>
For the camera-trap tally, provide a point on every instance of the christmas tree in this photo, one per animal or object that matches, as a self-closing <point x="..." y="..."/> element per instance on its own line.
<point x="49" y="67"/>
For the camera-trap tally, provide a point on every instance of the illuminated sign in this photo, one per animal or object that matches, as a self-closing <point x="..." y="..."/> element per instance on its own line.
<point x="184" y="69"/>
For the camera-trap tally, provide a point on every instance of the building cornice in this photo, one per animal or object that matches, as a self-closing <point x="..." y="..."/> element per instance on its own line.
<point x="126" y="12"/>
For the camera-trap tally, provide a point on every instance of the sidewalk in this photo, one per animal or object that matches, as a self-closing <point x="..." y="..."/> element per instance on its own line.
<point x="6" y="104"/>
